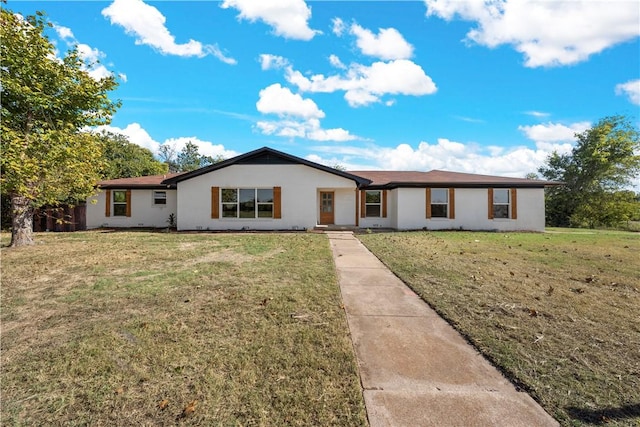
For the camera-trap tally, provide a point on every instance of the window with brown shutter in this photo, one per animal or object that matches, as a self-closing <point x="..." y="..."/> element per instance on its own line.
<point x="514" y="203"/>
<point x="490" y="202"/>
<point x="384" y="203"/>
<point x="128" y="203"/>
<point x="428" y="202"/>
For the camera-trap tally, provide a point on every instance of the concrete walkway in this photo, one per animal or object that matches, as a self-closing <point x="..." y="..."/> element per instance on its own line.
<point x="416" y="370"/>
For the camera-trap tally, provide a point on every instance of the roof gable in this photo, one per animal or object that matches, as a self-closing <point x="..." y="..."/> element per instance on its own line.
<point x="266" y="156"/>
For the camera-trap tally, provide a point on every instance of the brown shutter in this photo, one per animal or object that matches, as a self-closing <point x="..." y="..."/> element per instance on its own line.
<point x="452" y="203"/>
<point x="357" y="208"/>
<point x="384" y="203"/>
<point x="514" y="203"/>
<point x="128" y="200"/>
<point x="277" y="202"/>
<point x="107" y="203"/>
<point x="363" y="201"/>
<point x="215" y="202"/>
<point x="490" y="200"/>
<point x="428" y="205"/>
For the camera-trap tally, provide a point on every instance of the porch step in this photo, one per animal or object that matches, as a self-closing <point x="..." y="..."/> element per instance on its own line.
<point x="333" y="227"/>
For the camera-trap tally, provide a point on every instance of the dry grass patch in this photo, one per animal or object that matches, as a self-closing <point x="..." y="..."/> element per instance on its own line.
<point x="134" y="328"/>
<point x="558" y="312"/>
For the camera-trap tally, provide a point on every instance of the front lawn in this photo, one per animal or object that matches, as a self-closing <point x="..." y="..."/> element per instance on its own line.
<point x="558" y="312"/>
<point x="139" y="328"/>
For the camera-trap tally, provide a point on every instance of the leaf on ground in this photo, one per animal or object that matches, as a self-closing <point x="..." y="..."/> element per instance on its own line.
<point x="163" y="404"/>
<point x="188" y="410"/>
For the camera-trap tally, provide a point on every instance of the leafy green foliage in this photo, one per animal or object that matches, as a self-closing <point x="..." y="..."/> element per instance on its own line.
<point x="188" y="159"/>
<point x="124" y="159"/>
<point x="595" y="173"/>
<point x="47" y="102"/>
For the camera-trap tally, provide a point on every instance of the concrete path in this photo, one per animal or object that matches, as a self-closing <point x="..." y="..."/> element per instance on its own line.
<point x="416" y="370"/>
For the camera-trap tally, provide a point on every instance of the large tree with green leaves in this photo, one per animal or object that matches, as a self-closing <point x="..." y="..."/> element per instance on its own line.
<point x="124" y="159"/>
<point x="187" y="159"/>
<point x="47" y="103"/>
<point x="602" y="164"/>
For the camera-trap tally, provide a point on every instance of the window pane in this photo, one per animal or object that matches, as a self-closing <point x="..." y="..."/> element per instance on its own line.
<point x="120" y="196"/>
<point x="247" y="195"/>
<point x="120" y="210"/>
<point x="439" y="211"/>
<point x="160" y="197"/>
<point x="501" y="195"/>
<point x="373" y="211"/>
<point x="265" y="211"/>
<point x="373" y="197"/>
<point x="229" y="195"/>
<point x="229" y="210"/>
<point x="265" y="195"/>
<point x="501" y="211"/>
<point x="439" y="195"/>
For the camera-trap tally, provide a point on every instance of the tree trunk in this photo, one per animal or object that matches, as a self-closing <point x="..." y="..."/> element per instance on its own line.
<point x="21" y="221"/>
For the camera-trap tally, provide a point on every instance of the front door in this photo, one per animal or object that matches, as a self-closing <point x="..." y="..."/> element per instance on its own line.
<point x="326" y="207"/>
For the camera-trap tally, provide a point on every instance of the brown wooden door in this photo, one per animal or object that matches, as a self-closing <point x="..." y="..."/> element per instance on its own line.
<point x="326" y="207"/>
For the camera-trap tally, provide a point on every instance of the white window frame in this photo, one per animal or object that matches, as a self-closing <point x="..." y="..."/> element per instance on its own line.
<point x="367" y="204"/>
<point x="256" y="203"/>
<point x="156" y="198"/>
<point x="119" y="203"/>
<point x="497" y="191"/>
<point x="446" y="204"/>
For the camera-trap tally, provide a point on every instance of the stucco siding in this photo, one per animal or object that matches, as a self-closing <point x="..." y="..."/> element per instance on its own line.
<point x="143" y="211"/>
<point x="299" y="185"/>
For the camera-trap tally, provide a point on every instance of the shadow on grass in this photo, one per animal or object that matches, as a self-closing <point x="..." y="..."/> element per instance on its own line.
<point x="604" y="416"/>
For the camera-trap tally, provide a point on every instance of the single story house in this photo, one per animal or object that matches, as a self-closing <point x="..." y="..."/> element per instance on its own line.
<point x="267" y="189"/>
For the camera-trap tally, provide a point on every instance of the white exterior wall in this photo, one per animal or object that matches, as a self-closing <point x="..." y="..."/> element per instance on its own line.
<point x="143" y="212"/>
<point x="379" y="222"/>
<point x="300" y="186"/>
<point x="471" y="211"/>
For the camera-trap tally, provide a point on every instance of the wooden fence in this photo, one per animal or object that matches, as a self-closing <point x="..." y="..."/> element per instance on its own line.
<point x="60" y="218"/>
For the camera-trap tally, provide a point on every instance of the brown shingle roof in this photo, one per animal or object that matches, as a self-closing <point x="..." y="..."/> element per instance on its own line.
<point x="395" y="179"/>
<point x="150" y="181"/>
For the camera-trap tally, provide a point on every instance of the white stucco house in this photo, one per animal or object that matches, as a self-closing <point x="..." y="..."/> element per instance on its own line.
<point x="267" y="189"/>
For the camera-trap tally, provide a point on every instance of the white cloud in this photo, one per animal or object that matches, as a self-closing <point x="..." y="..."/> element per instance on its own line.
<point x="279" y="100"/>
<point x="307" y="129"/>
<point x="289" y="18"/>
<point x="547" y="33"/>
<point x="89" y="55"/>
<point x="387" y="45"/>
<point x="270" y="62"/>
<point x="147" y="24"/>
<point x="335" y="61"/>
<point x="364" y="85"/>
<point x="538" y="114"/>
<point x="64" y="32"/>
<point x="338" y="26"/>
<point x="631" y="89"/>
<point x="554" y="132"/>
<point x="138" y="135"/>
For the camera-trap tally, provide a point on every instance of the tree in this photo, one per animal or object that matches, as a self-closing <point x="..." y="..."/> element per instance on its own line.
<point x="595" y="173"/>
<point x="188" y="159"/>
<point x="47" y="102"/>
<point x="124" y="159"/>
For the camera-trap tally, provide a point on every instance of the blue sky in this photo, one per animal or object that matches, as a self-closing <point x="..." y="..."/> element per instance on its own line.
<point x="479" y="86"/>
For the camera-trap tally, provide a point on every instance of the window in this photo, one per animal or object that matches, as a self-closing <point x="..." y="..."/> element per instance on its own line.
<point x="119" y="203"/>
<point x="247" y="202"/>
<point x="159" y="197"/>
<point x="501" y="203"/>
<point x="439" y="203"/>
<point x="373" y="203"/>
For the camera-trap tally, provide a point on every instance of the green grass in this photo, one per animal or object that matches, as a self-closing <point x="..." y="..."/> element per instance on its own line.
<point x="558" y="312"/>
<point x="129" y="328"/>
